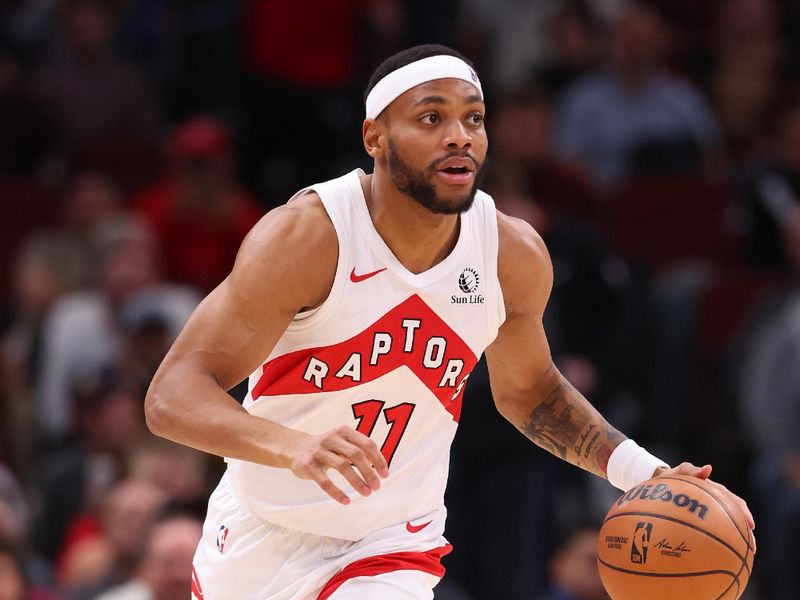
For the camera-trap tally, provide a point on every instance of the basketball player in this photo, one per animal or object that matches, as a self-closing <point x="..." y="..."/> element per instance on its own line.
<point x="358" y="311"/>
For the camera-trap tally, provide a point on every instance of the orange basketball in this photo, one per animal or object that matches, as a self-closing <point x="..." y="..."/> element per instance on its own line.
<point x="675" y="537"/>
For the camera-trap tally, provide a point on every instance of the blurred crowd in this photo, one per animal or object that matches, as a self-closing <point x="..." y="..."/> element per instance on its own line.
<point x="655" y="145"/>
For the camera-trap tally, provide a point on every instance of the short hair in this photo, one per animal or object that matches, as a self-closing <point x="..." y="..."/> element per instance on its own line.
<point x="408" y="56"/>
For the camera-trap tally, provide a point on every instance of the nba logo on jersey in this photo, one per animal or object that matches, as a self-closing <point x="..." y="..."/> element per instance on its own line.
<point x="222" y="535"/>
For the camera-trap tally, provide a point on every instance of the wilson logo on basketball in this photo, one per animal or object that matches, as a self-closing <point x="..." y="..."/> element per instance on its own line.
<point x="663" y="493"/>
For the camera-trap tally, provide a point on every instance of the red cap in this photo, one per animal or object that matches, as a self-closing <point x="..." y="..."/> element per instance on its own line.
<point x="200" y="137"/>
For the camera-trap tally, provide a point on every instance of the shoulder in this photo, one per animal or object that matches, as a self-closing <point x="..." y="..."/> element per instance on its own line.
<point x="292" y="250"/>
<point x="524" y="267"/>
<point x="301" y="226"/>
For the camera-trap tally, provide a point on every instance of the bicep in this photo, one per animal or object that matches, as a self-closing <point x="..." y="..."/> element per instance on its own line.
<point x="223" y="340"/>
<point x="519" y="364"/>
<point x="287" y="262"/>
<point x="519" y="360"/>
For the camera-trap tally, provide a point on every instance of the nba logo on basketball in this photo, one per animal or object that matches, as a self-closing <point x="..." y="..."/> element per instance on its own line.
<point x="641" y="541"/>
<point x="222" y="535"/>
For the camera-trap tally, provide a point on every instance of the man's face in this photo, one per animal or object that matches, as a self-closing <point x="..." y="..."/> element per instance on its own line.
<point x="436" y="144"/>
<point x="168" y="563"/>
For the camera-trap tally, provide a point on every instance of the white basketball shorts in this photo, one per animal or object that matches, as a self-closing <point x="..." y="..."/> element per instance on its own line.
<point x="243" y="557"/>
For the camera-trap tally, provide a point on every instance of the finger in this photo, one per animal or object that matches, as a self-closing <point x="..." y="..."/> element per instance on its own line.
<point x="342" y="464"/>
<point x="370" y="448"/>
<point x="751" y="522"/>
<point x="753" y="541"/>
<point x="691" y="470"/>
<point x="704" y="472"/>
<point x="360" y="460"/>
<point x="329" y="487"/>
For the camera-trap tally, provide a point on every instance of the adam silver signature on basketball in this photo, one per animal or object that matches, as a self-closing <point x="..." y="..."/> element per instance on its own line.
<point x="339" y="308"/>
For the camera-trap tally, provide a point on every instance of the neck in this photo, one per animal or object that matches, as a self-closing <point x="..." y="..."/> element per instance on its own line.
<point x="418" y="238"/>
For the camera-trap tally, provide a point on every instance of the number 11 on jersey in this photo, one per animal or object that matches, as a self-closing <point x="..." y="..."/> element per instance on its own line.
<point x="397" y="417"/>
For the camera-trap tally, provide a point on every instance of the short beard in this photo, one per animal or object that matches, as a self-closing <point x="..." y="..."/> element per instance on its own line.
<point x="417" y="185"/>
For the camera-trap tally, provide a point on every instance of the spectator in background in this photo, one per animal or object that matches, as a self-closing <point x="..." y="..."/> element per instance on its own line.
<point x="633" y="117"/>
<point x="74" y="478"/>
<point x="769" y="393"/>
<point x="770" y="195"/>
<point x="524" y="160"/>
<point x="13" y="584"/>
<point x="84" y="330"/>
<point x="573" y="573"/>
<point x="576" y="45"/>
<point x="199" y="211"/>
<point x="14" y="529"/>
<point x="177" y="470"/>
<point x="46" y="267"/>
<point x="105" y="548"/>
<point x="529" y="181"/>
<point x="91" y="197"/>
<point x="302" y="69"/>
<point x="747" y="61"/>
<point x="508" y="38"/>
<point x="88" y="93"/>
<point x="166" y="567"/>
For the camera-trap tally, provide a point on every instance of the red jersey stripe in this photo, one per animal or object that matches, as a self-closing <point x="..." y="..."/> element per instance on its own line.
<point x="410" y="346"/>
<point x="427" y="562"/>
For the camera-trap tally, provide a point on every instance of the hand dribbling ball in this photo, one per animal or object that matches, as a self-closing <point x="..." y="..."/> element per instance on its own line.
<point x="675" y="537"/>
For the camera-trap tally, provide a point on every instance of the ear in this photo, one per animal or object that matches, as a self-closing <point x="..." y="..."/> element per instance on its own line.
<point x="373" y="133"/>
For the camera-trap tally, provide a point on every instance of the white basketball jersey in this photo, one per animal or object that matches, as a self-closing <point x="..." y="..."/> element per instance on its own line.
<point x="388" y="354"/>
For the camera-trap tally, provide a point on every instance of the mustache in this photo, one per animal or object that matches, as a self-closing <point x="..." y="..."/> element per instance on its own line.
<point x="462" y="154"/>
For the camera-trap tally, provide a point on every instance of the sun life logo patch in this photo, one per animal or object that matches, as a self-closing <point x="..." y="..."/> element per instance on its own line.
<point x="468" y="281"/>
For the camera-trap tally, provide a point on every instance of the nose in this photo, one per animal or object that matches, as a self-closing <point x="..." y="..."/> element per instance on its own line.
<point x="457" y="136"/>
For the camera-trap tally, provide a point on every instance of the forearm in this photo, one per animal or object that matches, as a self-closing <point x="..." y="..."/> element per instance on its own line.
<point x="565" y="424"/>
<point x="192" y="409"/>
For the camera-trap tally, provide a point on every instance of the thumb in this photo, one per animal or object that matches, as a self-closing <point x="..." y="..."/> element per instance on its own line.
<point x="691" y="470"/>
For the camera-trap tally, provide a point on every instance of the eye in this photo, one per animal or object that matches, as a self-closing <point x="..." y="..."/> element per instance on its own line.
<point x="476" y="118"/>
<point x="430" y="119"/>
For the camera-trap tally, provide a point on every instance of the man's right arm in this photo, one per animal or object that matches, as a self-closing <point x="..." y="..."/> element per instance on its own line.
<point x="286" y="263"/>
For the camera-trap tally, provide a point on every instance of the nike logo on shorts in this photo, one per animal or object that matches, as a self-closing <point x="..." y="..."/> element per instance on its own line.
<point x="416" y="528"/>
<point x="359" y="278"/>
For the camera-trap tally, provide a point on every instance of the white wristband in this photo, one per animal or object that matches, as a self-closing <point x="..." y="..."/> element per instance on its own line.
<point x="630" y="464"/>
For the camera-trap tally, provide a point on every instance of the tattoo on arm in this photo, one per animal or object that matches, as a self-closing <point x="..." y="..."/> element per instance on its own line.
<point x="566" y="425"/>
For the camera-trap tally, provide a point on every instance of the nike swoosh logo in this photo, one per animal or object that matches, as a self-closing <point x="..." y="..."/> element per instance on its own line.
<point x="358" y="278"/>
<point x="416" y="528"/>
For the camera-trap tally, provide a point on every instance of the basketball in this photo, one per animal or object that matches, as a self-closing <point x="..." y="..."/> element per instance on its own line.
<point x="675" y="537"/>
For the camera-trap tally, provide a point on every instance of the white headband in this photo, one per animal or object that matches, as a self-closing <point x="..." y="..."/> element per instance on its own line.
<point x="413" y="74"/>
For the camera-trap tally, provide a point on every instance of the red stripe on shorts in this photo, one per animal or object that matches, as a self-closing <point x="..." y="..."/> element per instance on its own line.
<point x="427" y="562"/>
<point x="197" y="591"/>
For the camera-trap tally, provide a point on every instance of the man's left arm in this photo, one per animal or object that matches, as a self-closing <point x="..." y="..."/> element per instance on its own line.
<point x="527" y="387"/>
<point x="530" y="391"/>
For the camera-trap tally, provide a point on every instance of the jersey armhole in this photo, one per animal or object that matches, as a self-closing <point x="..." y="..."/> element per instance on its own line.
<point x="314" y="316"/>
<point x="495" y="308"/>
